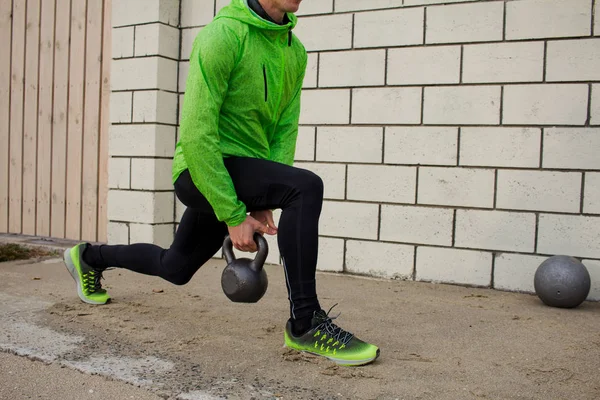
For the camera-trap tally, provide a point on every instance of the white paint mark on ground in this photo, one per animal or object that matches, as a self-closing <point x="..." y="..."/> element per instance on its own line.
<point x="196" y="395"/>
<point x="127" y="369"/>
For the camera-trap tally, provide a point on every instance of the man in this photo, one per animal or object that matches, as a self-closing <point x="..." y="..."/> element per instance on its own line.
<point x="238" y="135"/>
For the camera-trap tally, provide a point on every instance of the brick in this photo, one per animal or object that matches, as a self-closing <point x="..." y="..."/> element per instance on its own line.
<point x="331" y="106"/>
<point x="330" y="32"/>
<point x="383" y="183"/>
<point x="131" y="12"/>
<point x="389" y="28"/>
<point x="572" y="235"/>
<point x="593" y="267"/>
<point x="386" y="106"/>
<point x="219" y="4"/>
<point x="333" y="175"/>
<point x="421" y="145"/>
<point x="423" y="65"/>
<point x="596" y="18"/>
<point x="155" y="106"/>
<point x="480" y="22"/>
<point x="119" y="172"/>
<point x="349" y="144"/>
<point x="184" y="70"/>
<point x="151" y="174"/>
<point x="453" y="266"/>
<point x="196" y="13"/>
<point x="120" y="107"/>
<point x="427" y="2"/>
<point x="141" y="140"/>
<point x="140" y="207"/>
<point x="144" y="73"/>
<point x="160" y="235"/>
<point x="515" y="272"/>
<point x="385" y="260"/>
<point x="495" y="230"/>
<point x="360" y="5"/>
<point x="532" y="19"/>
<point x="274" y="257"/>
<point x="157" y="39"/>
<point x="352" y="68"/>
<point x="595" y="106"/>
<point x="179" y="209"/>
<point x="312" y="7"/>
<point x="591" y="195"/>
<point x="456" y="187"/>
<point x="188" y="36"/>
<point x="349" y="220"/>
<point x="571" y="148"/>
<point x="500" y="147"/>
<point x="420" y="225"/>
<point x="305" y="144"/>
<point x="539" y="190"/>
<point x="573" y="60"/>
<point x="331" y="255"/>
<point x="117" y="233"/>
<point x="545" y="104"/>
<point x="122" y="42"/>
<point x="477" y="105"/>
<point x="503" y="62"/>
<point x="312" y="71"/>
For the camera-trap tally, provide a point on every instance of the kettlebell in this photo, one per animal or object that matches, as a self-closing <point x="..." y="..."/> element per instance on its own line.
<point x="244" y="280"/>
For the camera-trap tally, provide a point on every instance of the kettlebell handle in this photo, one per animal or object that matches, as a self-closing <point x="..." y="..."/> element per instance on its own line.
<point x="261" y="256"/>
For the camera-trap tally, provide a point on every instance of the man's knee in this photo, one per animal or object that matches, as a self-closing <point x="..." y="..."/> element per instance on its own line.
<point x="310" y="185"/>
<point x="179" y="279"/>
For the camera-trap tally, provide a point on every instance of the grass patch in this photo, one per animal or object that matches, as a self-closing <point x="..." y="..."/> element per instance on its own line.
<point x="12" y="252"/>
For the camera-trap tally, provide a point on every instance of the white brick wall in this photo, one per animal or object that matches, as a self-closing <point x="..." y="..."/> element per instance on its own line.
<point x="325" y="106"/>
<point x="380" y="183"/>
<point x="469" y="105"/>
<point x="423" y="65"/>
<point x="454" y="266"/>
<point x="421" y="145"/>
<point x="571" y="148"/>
<point x="389" y="28"/>
<point x="477" y="22"/>
<point x="495" y="230"/>
<point x="117" y="233"/>
<point x="547" y="104"/>
<point x="352" y="68"/>
<point x="591" y="196"/>
<point x="386" y="105"/>
<point x="539" y="190"/>
<point x="331" y="32"/>
<point x="503" y="62"/>
<point x="529" y="19"/>
<point x="515" y="272"/>
<point x="384" y="260"/>
<point x="402" y="103"/>
<point x="456" y="186"/>
<point x="593" y="267"/>
<point x="573" y="235"/>
<point x="406" y="224"/>
<point x="160" y="235"/>
<point x="349" y="220"/>
<point x="500" y="147"/>
<point x="349" y="144"/>
<point x="573" y="60"/>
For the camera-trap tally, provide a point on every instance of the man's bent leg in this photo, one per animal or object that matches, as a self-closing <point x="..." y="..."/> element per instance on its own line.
<point x="264" y="185"/>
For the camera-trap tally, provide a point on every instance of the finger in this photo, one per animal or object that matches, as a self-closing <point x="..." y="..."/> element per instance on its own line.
<point x="271" y="221"/>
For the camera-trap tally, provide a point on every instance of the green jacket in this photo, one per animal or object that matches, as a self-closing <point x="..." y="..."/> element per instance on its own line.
<point x="242" y="98"/>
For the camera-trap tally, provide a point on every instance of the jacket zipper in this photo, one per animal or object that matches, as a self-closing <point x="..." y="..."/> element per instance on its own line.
<point x="266" y="84"/>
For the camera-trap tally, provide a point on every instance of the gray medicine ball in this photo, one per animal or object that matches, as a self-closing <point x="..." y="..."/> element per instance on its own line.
<point x="562" y="281"/>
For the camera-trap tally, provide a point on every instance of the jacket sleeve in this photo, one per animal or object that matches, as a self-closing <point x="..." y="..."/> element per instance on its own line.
<point x="283" y="144"/>
<point x="213" y="58"/>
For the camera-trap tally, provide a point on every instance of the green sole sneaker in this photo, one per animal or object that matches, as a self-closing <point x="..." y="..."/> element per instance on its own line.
<point x="332" y="342"/>
<point x="87" y="278"/>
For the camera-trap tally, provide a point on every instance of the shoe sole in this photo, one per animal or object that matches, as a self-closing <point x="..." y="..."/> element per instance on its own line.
<point x="75" y="275"/>
<point x="342" y="362"/>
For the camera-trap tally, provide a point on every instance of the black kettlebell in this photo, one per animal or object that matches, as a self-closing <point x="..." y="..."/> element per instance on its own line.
<point x="244" y="280"/>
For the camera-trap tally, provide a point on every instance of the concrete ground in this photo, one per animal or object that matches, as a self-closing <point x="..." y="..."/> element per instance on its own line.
<point x="156" y="340"/>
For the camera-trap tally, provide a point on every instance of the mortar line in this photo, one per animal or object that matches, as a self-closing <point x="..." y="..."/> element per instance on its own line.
<point x="458" y="139"/>
<point x="545" y="60"/>
<point x="542" y="149"/>
<point x="424" y="25"/>
<point x="501" y="104"/>
<point x="462" y="63"/>
<point x="495" y="188"/>
<point x="537" y="229"/>
<point x="582" y="197"/>
<point x="589" y="106"/>
<point x="453" y="228"/>
<point x="504" y="21"/>
<point x="414" y="271"/>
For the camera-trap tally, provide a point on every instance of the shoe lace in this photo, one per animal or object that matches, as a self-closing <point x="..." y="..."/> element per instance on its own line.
<point x="94" y="280"/>
<point x="326" y="324"/>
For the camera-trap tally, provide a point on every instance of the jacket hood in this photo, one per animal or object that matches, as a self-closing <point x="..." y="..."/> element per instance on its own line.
<point x="239" y="10"/>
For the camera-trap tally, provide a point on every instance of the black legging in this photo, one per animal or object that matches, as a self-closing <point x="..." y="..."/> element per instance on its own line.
<point x="260" y="185"/>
